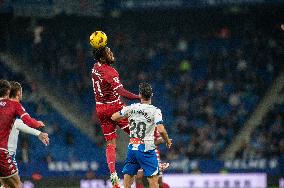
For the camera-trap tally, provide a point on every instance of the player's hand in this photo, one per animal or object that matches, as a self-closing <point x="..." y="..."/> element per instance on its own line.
<point x="169" y="143"/>
<point x="44" y="138"/>
<point x="159" y="141"/>
<point x="164" y="166"/>
<point x="41" y="124"/>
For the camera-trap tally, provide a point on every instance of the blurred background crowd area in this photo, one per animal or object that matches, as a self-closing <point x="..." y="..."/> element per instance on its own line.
<point x="209" y="69"/>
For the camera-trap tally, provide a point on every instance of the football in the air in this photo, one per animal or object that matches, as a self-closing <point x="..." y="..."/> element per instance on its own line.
<point x="98" y="39"/>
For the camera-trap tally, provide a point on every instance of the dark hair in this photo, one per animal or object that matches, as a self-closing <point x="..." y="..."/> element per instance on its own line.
<point x="145" y="90"/>
<point x="99" y="53"/>
<point x="5" y="88"/>
<point x="15" y="87"/>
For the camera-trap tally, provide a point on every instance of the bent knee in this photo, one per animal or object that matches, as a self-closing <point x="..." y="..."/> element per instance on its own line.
<point x="153" y="184"/>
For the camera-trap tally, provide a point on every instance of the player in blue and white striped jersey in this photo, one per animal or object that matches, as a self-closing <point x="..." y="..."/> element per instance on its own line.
<point x="143" y="119"/>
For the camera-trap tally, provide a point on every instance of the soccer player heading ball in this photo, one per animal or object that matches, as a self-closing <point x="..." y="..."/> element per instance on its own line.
<point x="98" y="39"/>
<point x="108" y="90"/>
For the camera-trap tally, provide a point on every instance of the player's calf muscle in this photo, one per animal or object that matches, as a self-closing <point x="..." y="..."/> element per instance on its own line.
<point x="128" y="180"/>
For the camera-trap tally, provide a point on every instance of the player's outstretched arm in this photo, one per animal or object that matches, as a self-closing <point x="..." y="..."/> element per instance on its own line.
<point x="27" y="119"/>
<point x="31" y="122"/>
<point x="164" y="135"/>
<point x="122" y="114"/>
<point x="19" y="125"/>
<point x="159" y="141"/>
<point x="117" y="116"/>
<point x="127" y="94"/>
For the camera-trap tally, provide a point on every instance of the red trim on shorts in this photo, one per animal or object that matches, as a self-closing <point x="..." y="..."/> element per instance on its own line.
<point x="7" y="167"/>
<point x="136" y="141"/>
<point x="16" y="172"/>
<point x="110" y="137"/>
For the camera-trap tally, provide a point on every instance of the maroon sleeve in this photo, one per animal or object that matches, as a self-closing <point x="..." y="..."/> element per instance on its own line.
<point x="112" y="77"/>
<point x="126" y="94"/>
<point x="21" y="112"/>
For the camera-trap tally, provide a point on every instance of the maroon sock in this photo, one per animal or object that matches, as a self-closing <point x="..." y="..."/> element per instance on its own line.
<point x="165" y="185"/>
<point x="138" y="185"/>
<point x="111" y="157"/>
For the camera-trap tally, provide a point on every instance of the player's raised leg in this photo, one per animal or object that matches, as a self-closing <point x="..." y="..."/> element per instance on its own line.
<point x="111" y="159"/>
<point x="109" y="130"/>
<point x="111" y="142"/>
<point x="124" y="125"/>
<point x="111" y="154"/>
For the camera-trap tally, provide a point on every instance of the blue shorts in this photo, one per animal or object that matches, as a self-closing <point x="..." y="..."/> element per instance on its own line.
<point x="136" y="160"/>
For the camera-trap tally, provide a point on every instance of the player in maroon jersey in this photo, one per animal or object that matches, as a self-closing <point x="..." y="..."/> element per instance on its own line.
<point x="9" y="110"/>
<point x="163" y="166"/>
<point x="108" y="90"/>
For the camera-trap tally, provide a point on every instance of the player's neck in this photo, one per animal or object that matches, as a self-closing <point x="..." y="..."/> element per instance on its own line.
<point x="4" y="97"/>
<point x="103" y="62"/>
<point x="15" y="99"/>
<point x="145" y="101"/>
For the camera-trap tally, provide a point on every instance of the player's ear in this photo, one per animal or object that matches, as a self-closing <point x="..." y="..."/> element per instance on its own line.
<point x="102" y="59"/>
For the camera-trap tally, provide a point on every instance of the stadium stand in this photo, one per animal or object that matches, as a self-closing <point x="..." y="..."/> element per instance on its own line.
<point x="267" y="140"/>
<point x="209" y="70"/>
<point x="220" y="72"/>
<point x="67" y="141"/>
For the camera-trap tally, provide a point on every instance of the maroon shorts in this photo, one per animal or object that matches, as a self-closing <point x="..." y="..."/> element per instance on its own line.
<point x="7" y="166"/>
<point x="104" y="112"/>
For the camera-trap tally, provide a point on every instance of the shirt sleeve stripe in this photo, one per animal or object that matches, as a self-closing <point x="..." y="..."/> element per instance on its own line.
<point x="24" y="115"/>
<point x="159" y="122"/>
<point x="117" y="87"/>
